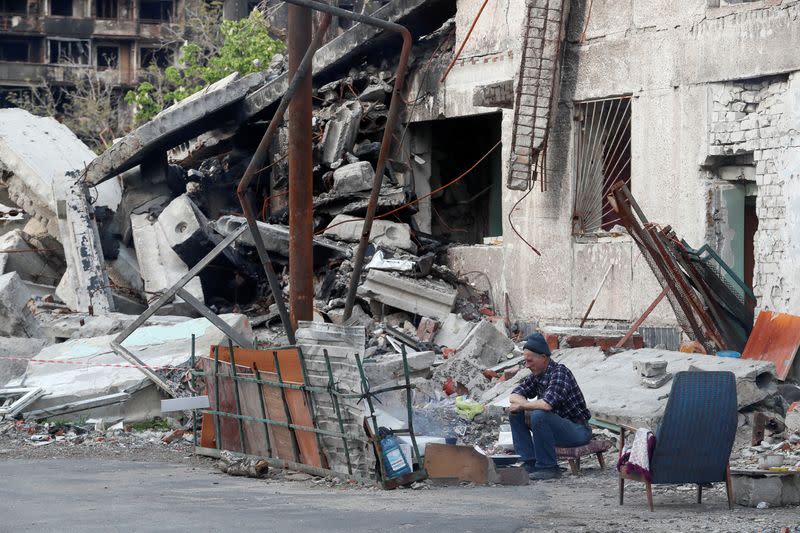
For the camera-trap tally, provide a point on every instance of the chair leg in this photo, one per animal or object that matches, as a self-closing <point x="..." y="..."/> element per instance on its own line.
<point x="729" y="487"/>
<point x="649" y="495"/>
<point x="621" y="489"/>
<point x="699" y="493"/>
<point x="601" y="460"/>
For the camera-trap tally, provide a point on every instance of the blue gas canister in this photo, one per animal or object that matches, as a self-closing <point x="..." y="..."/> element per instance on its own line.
<point x="394" y="462"/>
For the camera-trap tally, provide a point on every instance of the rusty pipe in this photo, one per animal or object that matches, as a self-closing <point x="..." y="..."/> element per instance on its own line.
<point x="394" y="110"/>
<point x="259" y="157"/>
<point x="301" y="174"/>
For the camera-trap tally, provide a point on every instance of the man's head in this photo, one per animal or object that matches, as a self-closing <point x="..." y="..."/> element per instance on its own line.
<point x="537" y="353"/>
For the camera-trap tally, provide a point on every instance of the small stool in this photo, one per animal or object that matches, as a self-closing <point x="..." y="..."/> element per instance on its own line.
<point x="573" y="455"/>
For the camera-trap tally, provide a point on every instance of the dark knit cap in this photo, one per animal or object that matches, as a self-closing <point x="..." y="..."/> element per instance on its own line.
<point x="536" y="343"/>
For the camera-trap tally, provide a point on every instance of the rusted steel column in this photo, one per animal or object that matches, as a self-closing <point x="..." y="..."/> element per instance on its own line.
<point x="301" y="179"/>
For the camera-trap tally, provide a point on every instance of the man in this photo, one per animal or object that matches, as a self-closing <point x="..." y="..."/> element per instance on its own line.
<point x="558" y="417"/>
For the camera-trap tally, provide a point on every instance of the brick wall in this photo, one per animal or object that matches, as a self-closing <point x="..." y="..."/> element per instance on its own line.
<point x="748" y="118"/>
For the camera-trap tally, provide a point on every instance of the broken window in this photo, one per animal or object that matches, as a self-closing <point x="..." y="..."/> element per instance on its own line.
<point x="107" y="57"/>
<point x="14" y="50"/>
<point x="61" y="8"/>
<point x="469" y="210"/>
<point x="160" y="57"/>
<point x="155" y="11"/>
<point x="105" y="9"/>
<point x="602" y="157"/>
<point x="13" y="7"/>
<point x="69" y="52"/>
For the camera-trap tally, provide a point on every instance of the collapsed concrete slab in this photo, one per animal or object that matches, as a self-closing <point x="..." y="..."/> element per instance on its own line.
<point x="353" y="177"/>
<point x="14" y="352"/>
<point x="89" y="375"/>
<point x="17" y="255"/>
<point x="613" y="392"/>
<point x="422" y="297"/>
<point x="60" y="328"/>
<point x="383" y="233"/>
<point x="176" y="124"/>
<point x="35" y="154"/>
<point x="160" y="265"/>
<point x="16" y="318"/>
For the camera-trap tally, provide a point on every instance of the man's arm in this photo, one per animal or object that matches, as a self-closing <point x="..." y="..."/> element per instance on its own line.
<point x="520" y="403"/>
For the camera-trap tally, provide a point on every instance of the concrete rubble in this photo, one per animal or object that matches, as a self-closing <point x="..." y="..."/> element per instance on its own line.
<point x="75" y="271"/>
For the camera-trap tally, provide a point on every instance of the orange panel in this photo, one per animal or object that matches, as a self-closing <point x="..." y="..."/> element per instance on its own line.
<point x="776" y="338"/>
<point x="291" y="372"/>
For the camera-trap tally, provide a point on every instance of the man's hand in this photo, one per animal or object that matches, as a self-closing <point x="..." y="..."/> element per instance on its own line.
<point x="518" y="403"/>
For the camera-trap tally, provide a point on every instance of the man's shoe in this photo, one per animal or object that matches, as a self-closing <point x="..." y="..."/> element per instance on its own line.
<point x="541" y="474"/>
<point x="529" y="466"/>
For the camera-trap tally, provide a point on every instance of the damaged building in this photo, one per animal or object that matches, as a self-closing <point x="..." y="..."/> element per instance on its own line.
<point x="507" y="179"/>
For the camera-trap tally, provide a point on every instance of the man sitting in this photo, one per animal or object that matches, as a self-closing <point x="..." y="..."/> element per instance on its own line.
<point x="558" y="417"/>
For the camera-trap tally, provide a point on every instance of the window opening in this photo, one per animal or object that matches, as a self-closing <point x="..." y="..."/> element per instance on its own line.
<point x="69" y="52"/>
<point x="155" y="11"/>
<point x="105" y="9"/>
<point x="107" y="57"/>
<point x="602" y="156"/>
<point x="13" y="7"/>
<point x="61" y="8"/>
<point x="160" y="57"/>
<point x="18" y="51"/>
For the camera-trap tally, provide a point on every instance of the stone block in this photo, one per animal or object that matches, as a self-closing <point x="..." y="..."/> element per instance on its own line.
<point x="374" y="93"/>
<point x="485" y="344"/>
<point x="427" y="329"/>
<point x="389" y="367"/>
<point x="340" y="132"/>
<point x="453" y="331"/>
<point x="186" y="229"/>
<point x="12" y="350"/>
<point x="16" y="318"/>
<point x="774" y="490"/>
<point x="16" y="255"/>
<point x="650" y="368"/>
<point x="354" y="177"/>
<point x="418" y="296"/>
<point x="384" y="233"/>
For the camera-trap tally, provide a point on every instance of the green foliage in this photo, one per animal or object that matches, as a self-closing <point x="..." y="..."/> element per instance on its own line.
<point x="246" y="47"/>
<point x="144" y="99"/>
<point x="156" y="424"/>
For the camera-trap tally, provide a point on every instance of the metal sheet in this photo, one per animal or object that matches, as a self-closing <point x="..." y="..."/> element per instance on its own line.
<point x="776" y="338"/>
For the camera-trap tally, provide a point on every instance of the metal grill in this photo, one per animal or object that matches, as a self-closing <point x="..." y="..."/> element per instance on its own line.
<point x="602" y="157"/>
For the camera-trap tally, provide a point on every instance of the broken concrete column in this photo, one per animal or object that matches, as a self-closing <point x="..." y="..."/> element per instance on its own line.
<point x="354" y="177"/>
<point x="17" y="255"/>
<point x="383" y="233"/>
<point x="160" y="265"/>
<point x="186" y="229"/>
<point x="35" y="154"/>
<point x="419" y="296"/>
<point x="340" y="133"/>
<point x="16" y="318"/>
<point x="85" y="285"/>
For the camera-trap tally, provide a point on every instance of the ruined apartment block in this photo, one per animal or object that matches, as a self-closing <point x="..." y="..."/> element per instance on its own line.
<point x="43" y="42"/>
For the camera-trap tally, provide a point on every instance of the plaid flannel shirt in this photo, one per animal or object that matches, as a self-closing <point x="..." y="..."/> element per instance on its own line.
<point x="557" y="386"/>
